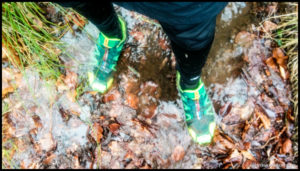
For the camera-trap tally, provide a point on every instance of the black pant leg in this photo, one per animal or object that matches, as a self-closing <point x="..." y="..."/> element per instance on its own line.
<point x="191" y="45"/>
<point x="102" y="15"/>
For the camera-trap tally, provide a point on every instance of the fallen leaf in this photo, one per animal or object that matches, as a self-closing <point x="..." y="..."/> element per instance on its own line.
<point x="131" y="165"/>
<point x="145" y="167"/>
<point x="278" y="53"/>
<point x="246" y="128"/>
<point x="13" y="55"/>
<point x="48" y="160"/>
<point x="114" y="127"/>
<point x="34" y="165"/>
<point x="37" y="24"/>
<point x="287" y="146"/>
<point x="71" y="79"/>
<point x="246" y="58"/>
<point x="149" y="111"/>
<point x="267" y="72"/>
<point x="76" y="162"/>
<point x="92" y="92"/>
<point x="248" y="155"/>
<point x="247" y="145"/>
<point x="116" y="148"/>
<point x="102" y="117"/>
<point x="129" y="155"/>
<point x="138" y="162"/>
<point x="178" y="153"/>
<point x="249" y="164"/>
<point x="173" y="116"/>
<point x="244" y="38"/>
<point x="132" y="101"/>
<point x="47" y="142"/>
<point x="60" y="85"/>
<point x="265" y="120"/>
<point x="163" y="63"/>
<point x="270" y="62"/>
<point x="23" y="165"/>
<point x="289" y="115"/>
<point x="76" y="19"/>
<point x="272" y="163"/>
<point x="4" y="52"/>
<point x="97" y="132"/>
<point x="221" y="144"/>
<point x="272" y="8"/>
<point x="6" y="90"/>
<point x="281" y="61"/>
<point x="234" y="157"/>
<point x="283" y="73"/>
<point x="111" y="96"/>
<point x="37" y="121"/>
<point x="269" y="26"/>
<point x="73" y="108"/>
<point x="71" y="94"/>
<point x="11" y="79"/>
<point x="37" y="148"/>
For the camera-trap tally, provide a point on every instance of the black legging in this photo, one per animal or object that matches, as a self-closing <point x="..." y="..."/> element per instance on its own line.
<point x="103" y="16"/>
<point x="191" y="42"/>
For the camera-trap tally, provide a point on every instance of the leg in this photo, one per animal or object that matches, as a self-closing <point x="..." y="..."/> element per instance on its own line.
<point x="191" y="45"/>
<point x="104" y="16"/>
<point x="109" y="43"/>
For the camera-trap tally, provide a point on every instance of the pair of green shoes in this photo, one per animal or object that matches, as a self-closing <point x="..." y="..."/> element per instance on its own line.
<point x="198" y="108"/>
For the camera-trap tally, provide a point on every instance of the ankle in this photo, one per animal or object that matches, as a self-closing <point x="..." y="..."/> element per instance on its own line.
<point x="189" y="85"/>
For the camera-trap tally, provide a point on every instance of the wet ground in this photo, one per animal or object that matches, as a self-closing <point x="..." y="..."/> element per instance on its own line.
<point x="140" y="123"/>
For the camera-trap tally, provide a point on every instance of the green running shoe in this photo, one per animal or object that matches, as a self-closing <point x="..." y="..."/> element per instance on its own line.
<point x="107" y="54"/>
<point x="199" y="112"/>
